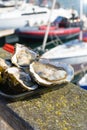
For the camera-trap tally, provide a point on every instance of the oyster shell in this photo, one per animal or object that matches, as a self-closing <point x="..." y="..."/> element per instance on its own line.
<point x="47" y="74"/>
<point x="4" y="64"/>
<point x="18" y="80"/>
<point x="23" y="55"/>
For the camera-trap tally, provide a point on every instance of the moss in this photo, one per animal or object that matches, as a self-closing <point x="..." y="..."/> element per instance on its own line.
<point x="64" y="108"/>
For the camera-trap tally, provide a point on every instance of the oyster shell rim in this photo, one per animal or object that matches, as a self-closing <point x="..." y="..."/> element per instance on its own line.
<point x="67" y="67"/>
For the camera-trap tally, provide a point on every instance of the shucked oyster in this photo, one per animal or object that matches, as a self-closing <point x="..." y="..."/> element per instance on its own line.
<point x="47" y="74"/>
<point x="23" y="55"/>
<point x="4" y="64"/>
<point x="18" y="80"/>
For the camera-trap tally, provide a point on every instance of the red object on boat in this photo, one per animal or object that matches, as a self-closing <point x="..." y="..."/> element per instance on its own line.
<point x="8" y="47"/>
<point x="44" y="27"/>
<point x="54" y="32"/>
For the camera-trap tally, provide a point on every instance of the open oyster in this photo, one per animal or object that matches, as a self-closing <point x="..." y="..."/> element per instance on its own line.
<point x="4" y="64"/>
<point x="18" y="80"/>
<point x="47" y="74"/>
<point x="23" y="55"/>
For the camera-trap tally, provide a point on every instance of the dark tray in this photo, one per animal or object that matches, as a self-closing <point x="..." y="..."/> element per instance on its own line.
<point x="8" y="94"/>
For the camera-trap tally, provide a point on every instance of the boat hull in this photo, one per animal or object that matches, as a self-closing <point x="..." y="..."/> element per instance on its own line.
<point x="35" y="33"/>
<point x="23" y="21"/>
<point x="70" y="60"/>
<point x="73" y="52"/>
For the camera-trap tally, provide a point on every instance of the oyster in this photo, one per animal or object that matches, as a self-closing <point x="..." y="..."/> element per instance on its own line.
<point x="18" y="80"/>
<point x="23" y="55"/>
<point x="4" y="64"/>
<point x="47" y="74"/>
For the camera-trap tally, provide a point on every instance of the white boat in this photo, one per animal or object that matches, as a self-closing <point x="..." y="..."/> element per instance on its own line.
<point x="29" y="14"/>
<point x="19" y="17"/>
<point x="9" y="3"/>
<point x="72" y="52"/>
<point x="24" y="9"/>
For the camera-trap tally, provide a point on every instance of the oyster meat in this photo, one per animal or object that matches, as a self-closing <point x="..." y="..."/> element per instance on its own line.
<point x="4" y="64"/>
<point x="18" y="80"/>
<point x="47" y="74"/>
<point x="23" y="56"/>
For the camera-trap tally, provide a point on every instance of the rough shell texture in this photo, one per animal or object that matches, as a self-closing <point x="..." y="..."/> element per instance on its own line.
<point x="18" y="80"/>
<point x="47" y="74"/>
<point x="23" y="55"/>
<point x="4" y="64"/>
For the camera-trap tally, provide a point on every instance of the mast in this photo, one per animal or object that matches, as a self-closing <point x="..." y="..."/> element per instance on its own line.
<point x="16" y="4"/>
<point x="81" y="14"/>
<point x="48" y="26"/>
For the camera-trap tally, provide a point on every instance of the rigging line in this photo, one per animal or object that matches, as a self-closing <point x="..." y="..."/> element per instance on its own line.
<point x="47" y="30"/>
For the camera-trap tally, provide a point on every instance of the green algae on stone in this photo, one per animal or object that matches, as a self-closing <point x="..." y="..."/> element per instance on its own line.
<point x="64" y="108"/>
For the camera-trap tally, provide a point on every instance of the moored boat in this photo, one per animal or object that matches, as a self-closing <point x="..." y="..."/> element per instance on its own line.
<point x="72" y="52"/>
<point x="37" y="33"/>
<point x="21" y="16"/>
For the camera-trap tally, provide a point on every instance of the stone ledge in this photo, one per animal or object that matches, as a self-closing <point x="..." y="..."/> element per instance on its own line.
<point x="62" y="108"/>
